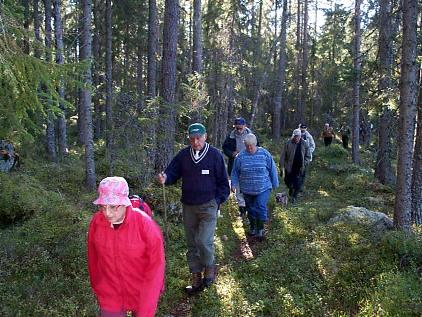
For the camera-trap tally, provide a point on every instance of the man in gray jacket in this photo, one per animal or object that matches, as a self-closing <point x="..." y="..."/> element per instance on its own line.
<point x="294" y="158"/>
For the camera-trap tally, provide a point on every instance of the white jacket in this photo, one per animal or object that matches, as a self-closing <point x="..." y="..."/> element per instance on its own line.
<point x="307" y="137"/>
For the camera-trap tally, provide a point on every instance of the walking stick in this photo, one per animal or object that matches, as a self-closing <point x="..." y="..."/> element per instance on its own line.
<point x="165" y="213"/>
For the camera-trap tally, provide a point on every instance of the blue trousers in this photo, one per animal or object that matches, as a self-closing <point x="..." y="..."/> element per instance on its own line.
<point x="256" y="205"/>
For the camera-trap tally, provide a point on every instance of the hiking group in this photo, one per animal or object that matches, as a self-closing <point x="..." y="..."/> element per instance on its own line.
<point x="125" y="246"/>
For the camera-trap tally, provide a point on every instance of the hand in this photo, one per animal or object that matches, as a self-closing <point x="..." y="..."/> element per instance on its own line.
<point x="161" y="178"/>
<point x="233" y="189"/>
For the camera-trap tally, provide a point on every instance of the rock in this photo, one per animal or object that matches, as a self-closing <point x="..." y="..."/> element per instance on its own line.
<point x="377" y="221"/>
<point x="375" y="200"/>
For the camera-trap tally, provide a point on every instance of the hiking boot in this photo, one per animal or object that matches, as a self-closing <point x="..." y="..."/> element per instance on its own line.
<point x="260" y="235"/>
<point x="242" y="211"/>
<point x="252" y="223"/>
<point x="209" y="276"/>
<point x="260" y="230"/>
<point x="197" y="285"/>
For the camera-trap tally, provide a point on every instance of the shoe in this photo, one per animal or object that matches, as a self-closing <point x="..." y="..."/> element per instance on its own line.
<point x="209" y="276"/>
<point x="260" y="235"/>
<point x="260" y="230"/>
<point x="196" y="286"/>
<point x="252" y="223"/>
<point x="242" y="211"/>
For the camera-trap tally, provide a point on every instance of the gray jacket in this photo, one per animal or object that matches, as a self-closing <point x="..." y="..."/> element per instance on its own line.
<point x="288" y="154"/>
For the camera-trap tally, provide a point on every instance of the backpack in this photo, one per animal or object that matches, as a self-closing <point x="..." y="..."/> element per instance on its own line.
<point x="139" y="203"/>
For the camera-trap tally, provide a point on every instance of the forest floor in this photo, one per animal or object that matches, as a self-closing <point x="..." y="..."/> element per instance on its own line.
<point x="305" y="267"/>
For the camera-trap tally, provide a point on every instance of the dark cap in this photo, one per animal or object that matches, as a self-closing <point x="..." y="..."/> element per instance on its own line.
<point x="239" y="121"/>
<point x="303" y="126"/>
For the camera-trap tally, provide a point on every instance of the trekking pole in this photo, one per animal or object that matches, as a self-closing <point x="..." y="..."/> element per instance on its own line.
<point x="165" y="213"/>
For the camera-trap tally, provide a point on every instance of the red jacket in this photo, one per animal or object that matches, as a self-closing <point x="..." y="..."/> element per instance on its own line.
<point x="126" y="265"/>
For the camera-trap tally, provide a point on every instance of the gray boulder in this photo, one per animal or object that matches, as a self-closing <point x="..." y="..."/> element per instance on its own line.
<point x="377" y="221"/>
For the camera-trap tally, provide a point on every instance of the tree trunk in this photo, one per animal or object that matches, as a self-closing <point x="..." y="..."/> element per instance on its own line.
<point x="37" y="23"/>
<point x="168" y="86"/>
<point x="151" y="133"/>
<point x="152" y="49"/>
<point x="305" y="57"/>
<point x="258" y="76"/>
<point x="86" y="55"/>
<point x="139" y="73"/>
<point x="109" y="87"/>
<point x="383" y="169"/>
<point x="417" y="163"/>
<point x="197" y="37"/>
<point x="356" y="85"/>
<point x="51" y="126"/>
<point x="58" y="31"/>
<point x="25" y="4"/>
<point x="408" y="93"/>
<point x="280" y="83"/>
<point x="298" y="68"/>
<point x="96" y="70"/>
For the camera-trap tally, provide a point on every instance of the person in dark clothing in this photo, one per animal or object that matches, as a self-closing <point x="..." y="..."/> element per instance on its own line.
<point x="205" y="186"/>
<point x="233" y="145"/>
<point x="345" y="135"/>
<point x="295" y="157"/>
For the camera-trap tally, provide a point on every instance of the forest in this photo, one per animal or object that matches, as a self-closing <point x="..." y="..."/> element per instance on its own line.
<point x="97" y="88"/>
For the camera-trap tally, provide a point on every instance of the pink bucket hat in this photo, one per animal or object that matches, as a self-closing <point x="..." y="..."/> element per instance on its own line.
<point x="113" y="191"/>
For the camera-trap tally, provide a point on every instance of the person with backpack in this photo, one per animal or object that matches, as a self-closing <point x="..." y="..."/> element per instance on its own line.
<point x="232" y="146"/>
<point x="125" y="254"/>
<point x="205" y="186"/>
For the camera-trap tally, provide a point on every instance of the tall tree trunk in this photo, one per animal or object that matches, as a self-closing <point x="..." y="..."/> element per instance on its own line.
<point x="408" y="93"/>
<point x="25" y="4"/>
<point x="152" y="49"/>
<point x="298" y="67"/>
<point x="37" y="23"/>
<point x="139" y="73"/>
<point x="109" y="87"/>
<point x="86" y="56"/>
<point x="197" y="113"/>
<point x="80" y="96"/>
<point x="151" y="133"/>
<point x="197" y="37"/>
<point x="383" y="169"/>
<point x="96" y="69"/>
<point x="280" y="83"/>
<point x="51" y="118"/>
<point x="305" y="57"/>
<point x="168" y="86"/>
<point x="58" y="31"/>
<point x="417" y="162"/>
<point x="259" y="77"/>
<point x="356" y="85"/>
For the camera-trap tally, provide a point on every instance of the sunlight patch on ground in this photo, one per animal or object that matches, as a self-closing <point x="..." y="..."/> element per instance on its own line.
<point x="323" y="193"/>
<point x="232" y="295"/>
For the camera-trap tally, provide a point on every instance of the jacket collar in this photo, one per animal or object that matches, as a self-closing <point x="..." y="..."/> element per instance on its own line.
<point x="233" y="135"/>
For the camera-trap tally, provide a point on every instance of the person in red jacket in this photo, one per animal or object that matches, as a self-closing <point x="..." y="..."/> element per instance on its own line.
<point x="125" y="254"/>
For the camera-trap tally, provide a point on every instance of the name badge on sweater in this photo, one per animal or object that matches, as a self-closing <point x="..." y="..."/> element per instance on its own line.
<point x="205" y="172"/>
